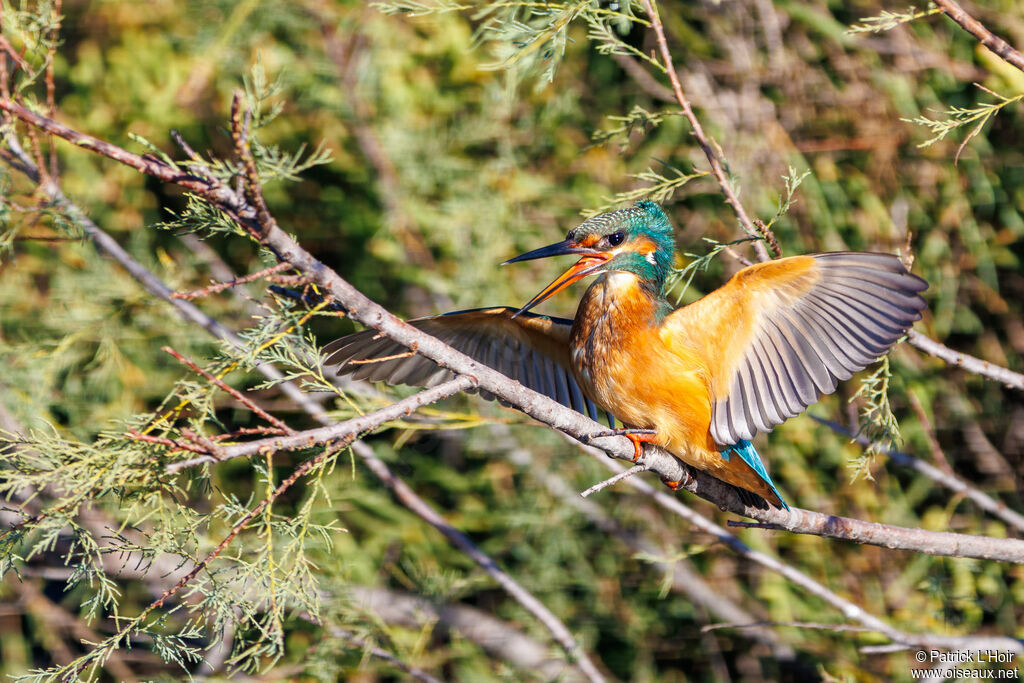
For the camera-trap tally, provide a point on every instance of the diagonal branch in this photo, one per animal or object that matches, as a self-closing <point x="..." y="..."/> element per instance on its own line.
<point x="338" y="430"/>
<point x="1012" y="379"/>
<point x="364" y="310"/>
<point x="1007" y="52"/>
<point x="190" y="312"/>
<point x="714" y="161"/>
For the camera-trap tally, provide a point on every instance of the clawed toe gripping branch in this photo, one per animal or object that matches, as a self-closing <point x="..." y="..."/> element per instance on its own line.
<point x="637" y="437"/>
<point x="244" y="203"/>
<point x="262" y="226"/>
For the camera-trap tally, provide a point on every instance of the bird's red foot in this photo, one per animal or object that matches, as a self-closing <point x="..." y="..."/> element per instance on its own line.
<point x="674" y="485"/>
<point x="637" y="436"/>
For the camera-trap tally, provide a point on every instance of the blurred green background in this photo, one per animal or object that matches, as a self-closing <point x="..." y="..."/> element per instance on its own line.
<point x="442" y="166"/>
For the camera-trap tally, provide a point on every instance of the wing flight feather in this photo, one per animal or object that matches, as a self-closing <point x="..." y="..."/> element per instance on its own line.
<point x="798" y="326"/>
<point x="532" y="349"/>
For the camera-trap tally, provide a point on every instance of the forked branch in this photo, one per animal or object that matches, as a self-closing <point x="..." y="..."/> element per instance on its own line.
<point x="538" y="406"/>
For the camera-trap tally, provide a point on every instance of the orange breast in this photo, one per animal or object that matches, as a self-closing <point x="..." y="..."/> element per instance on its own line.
<point x="650" y="379"/>
<point x="623" y="363"/>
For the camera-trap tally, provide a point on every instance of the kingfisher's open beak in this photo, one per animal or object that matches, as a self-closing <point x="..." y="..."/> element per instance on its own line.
<point x="591" y="261"/>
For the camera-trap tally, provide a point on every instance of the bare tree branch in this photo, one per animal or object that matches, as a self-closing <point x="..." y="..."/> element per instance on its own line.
<point x="1010" y="378"/>
<point x="847" y="608"/>
<point x="602" y="485"/>
<point x="717" y="167"/>
<point x="538" y="406"/>
<point x="947" y="479"/>
<point x="990" y="40"/>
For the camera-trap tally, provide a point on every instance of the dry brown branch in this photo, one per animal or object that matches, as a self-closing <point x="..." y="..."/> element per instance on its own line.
<point x="714" y="159"/>
<point x="847" y="608"/>
<point x="228" y="389"/>
<point x="542" y="408"/>
<point x="221" y="286"/>
<point x="993" y="42"/>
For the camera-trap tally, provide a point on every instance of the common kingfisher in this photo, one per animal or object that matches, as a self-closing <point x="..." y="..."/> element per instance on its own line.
<point x="701" y="380"/>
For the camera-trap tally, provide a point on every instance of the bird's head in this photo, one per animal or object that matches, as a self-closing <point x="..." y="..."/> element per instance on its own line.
<point x="637" y="240"/>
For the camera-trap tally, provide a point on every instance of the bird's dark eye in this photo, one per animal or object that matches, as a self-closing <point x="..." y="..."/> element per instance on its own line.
<point x="615" y="239"/>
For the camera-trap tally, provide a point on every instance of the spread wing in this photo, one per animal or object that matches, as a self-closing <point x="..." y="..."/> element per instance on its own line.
<point x="796" y="326"/>
<point x="533" y="349"/>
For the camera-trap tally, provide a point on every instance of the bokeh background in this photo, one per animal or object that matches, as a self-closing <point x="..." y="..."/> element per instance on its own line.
<point x="449" y="154"/>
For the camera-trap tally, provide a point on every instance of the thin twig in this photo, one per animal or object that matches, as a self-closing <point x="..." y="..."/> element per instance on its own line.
<point x="6" y="46"/>
<point x="225" y="387"/>
<point x="600" y="486"/>
<point x="221" y="286"/>
<point x="311" y="437"/>
<point x="396" y="356"/>
<point x="714" y="161"/>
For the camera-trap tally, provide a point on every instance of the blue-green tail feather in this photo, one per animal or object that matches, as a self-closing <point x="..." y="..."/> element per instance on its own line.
<point x="746" y="451"/>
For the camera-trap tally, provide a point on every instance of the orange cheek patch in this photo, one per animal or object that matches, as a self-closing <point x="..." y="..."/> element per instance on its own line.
<point x="589" y="240"/>
<point x="645" y="246"/>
